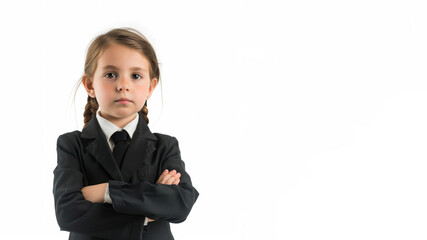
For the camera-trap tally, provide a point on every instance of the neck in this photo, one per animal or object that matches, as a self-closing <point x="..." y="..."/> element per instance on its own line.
<point x="119" y="122"/>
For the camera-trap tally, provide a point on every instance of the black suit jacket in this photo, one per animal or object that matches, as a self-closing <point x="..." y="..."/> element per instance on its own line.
<point x="84" y="158"/>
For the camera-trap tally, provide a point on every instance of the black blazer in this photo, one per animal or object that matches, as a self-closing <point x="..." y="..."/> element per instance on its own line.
<point x="84" y="158"/>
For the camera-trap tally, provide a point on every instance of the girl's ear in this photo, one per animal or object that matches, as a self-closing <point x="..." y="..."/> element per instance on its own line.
<point x="153" y="85"/>
<point x="87" y="83"/>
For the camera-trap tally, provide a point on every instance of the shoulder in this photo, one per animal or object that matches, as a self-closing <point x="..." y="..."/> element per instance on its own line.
<point x="166" y="141"/>
<point x="164" y="138"/>
<point x="69" y="136"/>
<point x="69" y="139"/>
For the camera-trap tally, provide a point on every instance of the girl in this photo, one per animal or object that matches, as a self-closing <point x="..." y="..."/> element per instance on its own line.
<point x="115" y="179"/>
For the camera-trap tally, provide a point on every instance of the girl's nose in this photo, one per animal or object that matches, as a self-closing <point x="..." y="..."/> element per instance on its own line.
<point x="123" y="84"/>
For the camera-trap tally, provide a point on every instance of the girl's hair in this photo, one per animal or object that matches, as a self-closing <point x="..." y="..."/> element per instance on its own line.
<point x="124" y="36"/>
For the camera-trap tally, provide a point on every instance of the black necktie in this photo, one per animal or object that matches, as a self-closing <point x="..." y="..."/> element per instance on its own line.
<point x="120" y="139"/>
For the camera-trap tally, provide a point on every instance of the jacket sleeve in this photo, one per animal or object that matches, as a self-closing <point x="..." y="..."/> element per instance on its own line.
<point x="172" y="203"/>
<point x="74" y="213"/>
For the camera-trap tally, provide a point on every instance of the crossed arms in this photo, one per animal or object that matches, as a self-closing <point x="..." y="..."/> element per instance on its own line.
<point x="96" y="193"/>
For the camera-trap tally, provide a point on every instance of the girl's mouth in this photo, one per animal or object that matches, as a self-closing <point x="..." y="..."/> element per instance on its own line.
<point x="123" y="100"/>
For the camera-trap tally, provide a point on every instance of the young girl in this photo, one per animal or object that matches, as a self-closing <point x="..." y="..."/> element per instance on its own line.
<point x="115" y="179"/>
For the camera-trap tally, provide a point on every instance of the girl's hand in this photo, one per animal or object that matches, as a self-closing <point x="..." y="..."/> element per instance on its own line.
<point x="169" y="178"/>
<point x="95" y="193"/>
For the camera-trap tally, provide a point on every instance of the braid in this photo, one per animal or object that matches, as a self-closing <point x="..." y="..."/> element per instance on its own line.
<point x="144" y="112"/>
<point x="90" y="109"/>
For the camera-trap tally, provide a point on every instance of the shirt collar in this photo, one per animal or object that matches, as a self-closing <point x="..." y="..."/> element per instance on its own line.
<point x="108" y="128"/>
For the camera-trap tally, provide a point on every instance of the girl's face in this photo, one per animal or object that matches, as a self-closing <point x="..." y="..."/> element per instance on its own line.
<point x="121" y="83"/>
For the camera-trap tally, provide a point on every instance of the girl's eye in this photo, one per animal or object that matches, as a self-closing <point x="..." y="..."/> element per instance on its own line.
<point x="136" y="76"/>
<point x="110" y="75"/>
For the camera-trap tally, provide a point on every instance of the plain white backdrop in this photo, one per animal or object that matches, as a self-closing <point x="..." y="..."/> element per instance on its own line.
<point x="296" y="119"/>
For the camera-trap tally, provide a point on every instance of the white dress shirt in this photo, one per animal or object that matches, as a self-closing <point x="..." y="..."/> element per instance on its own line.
<point x="109" y="128"/>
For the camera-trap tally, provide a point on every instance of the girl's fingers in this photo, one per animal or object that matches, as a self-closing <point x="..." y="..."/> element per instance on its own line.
<point x="164" y="173"/>
<point x="177" y="179"/>
<point x="167" y="177"/>
<point x="172" y="179"/>
<point x="176" y="182"/>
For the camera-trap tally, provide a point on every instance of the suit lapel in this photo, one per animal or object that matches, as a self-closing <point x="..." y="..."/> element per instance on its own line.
<point x="141" y="146"/>
<point x="98" y="147"/>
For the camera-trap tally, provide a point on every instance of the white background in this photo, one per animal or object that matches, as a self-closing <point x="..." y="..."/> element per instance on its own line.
<point x="296" y="119"/>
